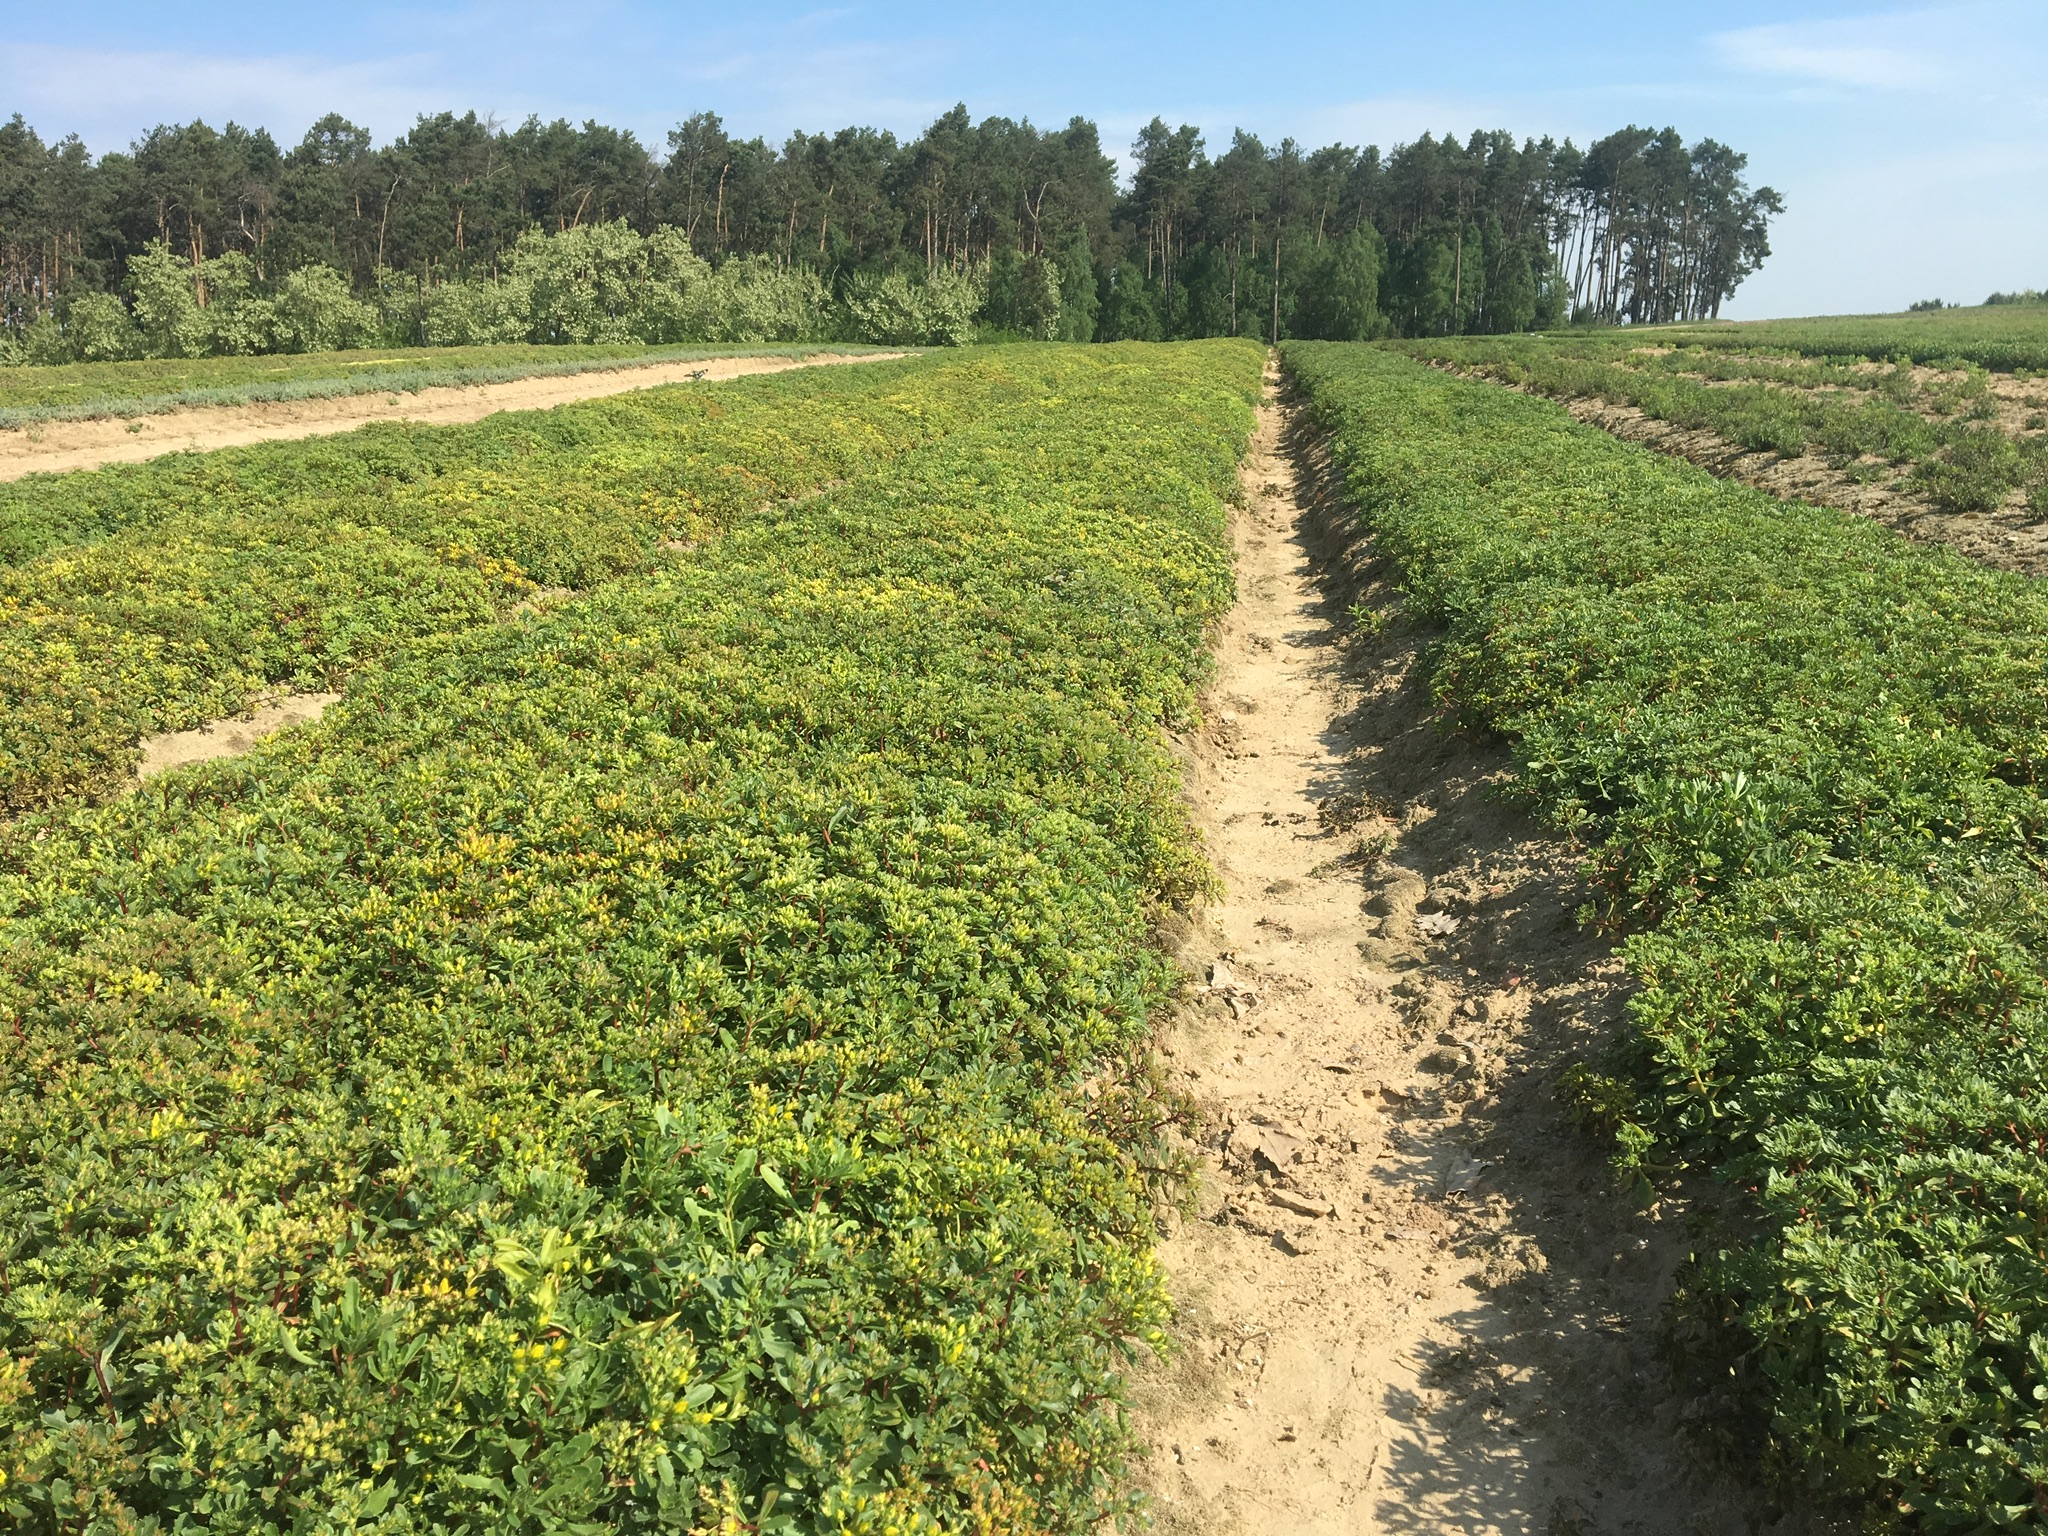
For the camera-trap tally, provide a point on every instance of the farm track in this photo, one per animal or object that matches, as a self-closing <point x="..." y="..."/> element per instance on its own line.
<point x="71" y="445"/>
<point x="2007" y="538"/>
<point x="1467" y="1341"/>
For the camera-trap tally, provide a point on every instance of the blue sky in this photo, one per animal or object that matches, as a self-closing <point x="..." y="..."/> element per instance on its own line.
<point x="1910" y="142"/>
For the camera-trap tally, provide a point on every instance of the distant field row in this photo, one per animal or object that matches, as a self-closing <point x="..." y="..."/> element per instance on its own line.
<point x="2001" y="337"/>
<point x="1945" y="427"/>
<point x="76" y="391"/>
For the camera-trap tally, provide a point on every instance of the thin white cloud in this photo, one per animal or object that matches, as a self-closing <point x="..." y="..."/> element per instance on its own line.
<point x="106" y="96"/>
<point x="1908" y="51"/>
<point x="1788" y="50"/>
<point x="818" y="86"/>
<point x="788" y="79"/>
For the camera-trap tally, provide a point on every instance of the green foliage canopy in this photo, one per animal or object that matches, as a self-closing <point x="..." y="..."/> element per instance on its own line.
<point x="666" y="1059"/>
<point x="1806" y="758"/>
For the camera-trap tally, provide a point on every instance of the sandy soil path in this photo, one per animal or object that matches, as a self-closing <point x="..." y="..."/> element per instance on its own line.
<point x="61" y="445"/>
<point x="1412" y="1298"/>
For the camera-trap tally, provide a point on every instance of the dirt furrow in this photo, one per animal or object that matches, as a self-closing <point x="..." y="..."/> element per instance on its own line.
<point x="65" y="445"/>
<point x="1412" y="1298"/>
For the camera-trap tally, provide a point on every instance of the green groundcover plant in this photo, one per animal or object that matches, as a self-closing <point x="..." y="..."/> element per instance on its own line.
<point x="1806" y="758"/>
<point x="1940" y="438"/>
<point x="2000" y="337"/>
<point x="670" y="1060"/>
<point x="152" y="597"/>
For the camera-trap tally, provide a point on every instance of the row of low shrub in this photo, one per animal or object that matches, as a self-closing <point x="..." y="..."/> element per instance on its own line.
<point x="152" y="597"/>
<point x="1806" y="758"/>
<point x="669" y="1062"/>
<point x="1965" y="464"/>
<point x="601" y="284"/>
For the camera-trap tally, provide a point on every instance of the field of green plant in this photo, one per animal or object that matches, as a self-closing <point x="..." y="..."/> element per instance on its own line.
<point x="151" y="597"/>
<point x="2001" y="337"/>
<point x="668" y="1057"/>
<point x="1806" y="757"/>
<point x="1931" y="403"/>
<point x="80" y="391"/>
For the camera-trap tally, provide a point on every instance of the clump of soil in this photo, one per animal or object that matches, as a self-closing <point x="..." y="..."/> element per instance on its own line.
<point x="1412" y="1298"/>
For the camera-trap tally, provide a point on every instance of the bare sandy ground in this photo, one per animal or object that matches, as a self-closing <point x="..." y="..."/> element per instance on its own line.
<point x="61" y="445"/>
<point x="1413" y="1299"/>
<point x="232" y="737"/>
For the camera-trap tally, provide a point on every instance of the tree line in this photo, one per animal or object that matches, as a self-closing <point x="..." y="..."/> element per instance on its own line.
<point x="1438" y="236"/>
